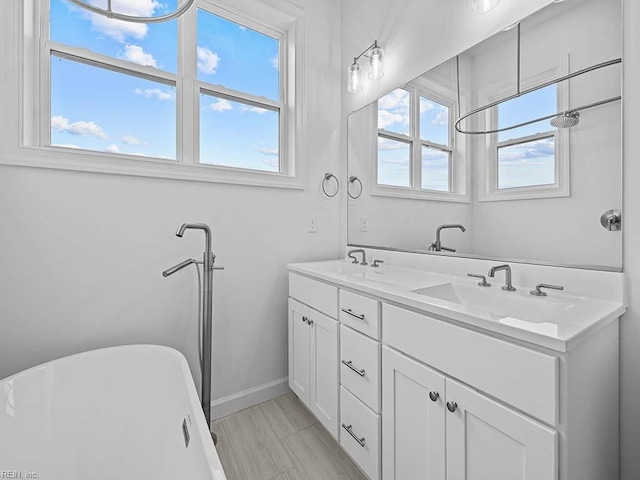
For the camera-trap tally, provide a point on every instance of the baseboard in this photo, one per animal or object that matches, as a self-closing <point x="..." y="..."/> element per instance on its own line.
<point x="248" y="398"/>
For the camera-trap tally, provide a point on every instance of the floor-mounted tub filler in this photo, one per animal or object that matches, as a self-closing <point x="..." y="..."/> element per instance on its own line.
<point x="129" y="412"/>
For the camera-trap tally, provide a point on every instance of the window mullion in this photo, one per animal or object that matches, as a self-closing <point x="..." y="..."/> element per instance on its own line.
<point x="416" y="153"/>
<point x="237" y="96"/>
<point x="188" y="118"/>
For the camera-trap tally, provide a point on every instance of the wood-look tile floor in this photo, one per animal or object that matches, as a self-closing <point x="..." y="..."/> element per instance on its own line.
<point x="280" y="440"/>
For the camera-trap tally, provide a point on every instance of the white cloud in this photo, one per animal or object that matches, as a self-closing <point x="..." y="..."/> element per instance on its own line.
<point x="397" y="101"/>
<point x="130" y="140"/>
<point x="242" y="27"/>
<point x="442" y="118"/>
<point x="221" y="105"/>
<point x="275" y="62"/>
<point x="155" y="92"/>
<point x="425" y="105"/>
<point x="112" y="149"/>
<point x="247" y="108"/>
<point x="136" y="54"/>
<point x="207" y="61"/>
<point x="65" y="145"/>
<point x="119" y="30"/>
<point x="394" y="108"/>
<point x="85" y="129"/>
<point x="386" y="118"/>
<point x="271" y="152"/>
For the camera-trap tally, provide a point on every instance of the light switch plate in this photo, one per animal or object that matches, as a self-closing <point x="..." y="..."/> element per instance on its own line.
<point x="313" y="223"/>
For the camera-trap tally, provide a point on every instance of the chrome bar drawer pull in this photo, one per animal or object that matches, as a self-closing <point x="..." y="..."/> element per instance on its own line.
<point x="349" y="312"/>
<point x="349" y="428"/>
<point x="350" y="365"/>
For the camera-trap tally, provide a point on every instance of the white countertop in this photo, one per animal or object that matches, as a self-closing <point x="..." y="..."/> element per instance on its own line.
<point x="558" y="321"/>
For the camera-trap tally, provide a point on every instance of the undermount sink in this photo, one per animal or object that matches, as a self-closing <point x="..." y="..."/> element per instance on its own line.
<point x="498" y="303"/>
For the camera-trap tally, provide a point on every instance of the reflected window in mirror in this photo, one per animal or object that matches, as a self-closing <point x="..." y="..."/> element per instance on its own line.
<point x="414" y="141"/>
<point x="531" y="161"/>
<point x="526" y="156"/>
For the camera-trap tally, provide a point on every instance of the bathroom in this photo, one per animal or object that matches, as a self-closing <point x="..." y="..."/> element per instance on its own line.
<point x="87" y="233"/>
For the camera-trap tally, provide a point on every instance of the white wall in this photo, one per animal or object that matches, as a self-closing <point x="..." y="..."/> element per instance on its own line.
<point x="81" y="253"/>
<point x="630" y="325"/>
<point x="406" y="26"/>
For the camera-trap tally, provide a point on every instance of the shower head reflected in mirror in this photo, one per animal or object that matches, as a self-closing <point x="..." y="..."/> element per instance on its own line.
<point x="566" y="120"/>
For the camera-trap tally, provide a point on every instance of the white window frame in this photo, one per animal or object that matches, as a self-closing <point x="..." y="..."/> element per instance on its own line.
<point x="488" y="160"/>
<point x="26" y="86"/>
<point x="415" y="190"/>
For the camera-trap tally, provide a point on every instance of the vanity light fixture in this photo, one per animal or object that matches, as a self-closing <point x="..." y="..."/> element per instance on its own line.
<point x="483" y="6"/>
<point x="376" y="67"/>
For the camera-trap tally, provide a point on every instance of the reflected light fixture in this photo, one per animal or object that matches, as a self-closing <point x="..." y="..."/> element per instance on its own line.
<point x="483" y="6"/>
<point x="376" y="67"/>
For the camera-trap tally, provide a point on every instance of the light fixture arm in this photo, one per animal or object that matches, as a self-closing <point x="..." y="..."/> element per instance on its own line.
<point x="109" y="13"/>
<point x="369" y="48"/>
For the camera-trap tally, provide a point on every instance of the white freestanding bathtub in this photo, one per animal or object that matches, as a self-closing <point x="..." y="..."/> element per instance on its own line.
<point x="129" y="412"/>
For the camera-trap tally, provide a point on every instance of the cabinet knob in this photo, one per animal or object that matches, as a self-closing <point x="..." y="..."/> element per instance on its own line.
<point x="434" y="396"/>
<point x="305" y="320"/>
<point x="310" y="322"/>
<point x="452" y="406"/>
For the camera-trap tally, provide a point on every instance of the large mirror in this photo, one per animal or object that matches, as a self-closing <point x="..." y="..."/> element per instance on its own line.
<point x="536" y="193"/>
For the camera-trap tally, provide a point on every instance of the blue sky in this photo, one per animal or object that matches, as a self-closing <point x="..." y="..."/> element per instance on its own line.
<point x="394" y="164"/>
<point x="531" y="163"/>
<point x="102" y="110"/>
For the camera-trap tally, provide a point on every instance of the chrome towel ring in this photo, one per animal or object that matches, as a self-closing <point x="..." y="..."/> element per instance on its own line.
<point x="327" y="177"/>
<point x="352" y="180"/>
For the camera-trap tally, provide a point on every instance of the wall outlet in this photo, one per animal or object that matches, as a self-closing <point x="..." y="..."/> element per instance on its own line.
<point x="313" y="223"/>
<point x="364" y="224"/>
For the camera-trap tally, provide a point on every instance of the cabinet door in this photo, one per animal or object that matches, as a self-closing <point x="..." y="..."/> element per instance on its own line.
<point x="488" y="441"/>
<point x="413" y="425"/>
<point x="323" y="389"/>
<point x="299" y="350"/>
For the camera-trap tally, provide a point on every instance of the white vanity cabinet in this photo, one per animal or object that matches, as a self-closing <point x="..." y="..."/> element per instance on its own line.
<point x="313" y="349"/>
<point x="413" y="394"/>
<point x="433" y="424"/>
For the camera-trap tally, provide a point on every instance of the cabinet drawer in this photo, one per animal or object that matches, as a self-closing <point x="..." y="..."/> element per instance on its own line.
<point x="360" y="366"/>
<point x="317" y="295"/>
<point x="363" y="443"/>
<point x="516" y="375"/>
<point x="360" y="313"/>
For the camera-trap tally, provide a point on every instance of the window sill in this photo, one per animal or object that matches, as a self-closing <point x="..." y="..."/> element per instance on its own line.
<point x="410" y="194"/>
<point x="525" y="193"/>
<point x="96" y="162"/>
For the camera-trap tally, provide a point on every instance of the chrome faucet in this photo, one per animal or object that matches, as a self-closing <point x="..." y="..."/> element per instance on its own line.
<point x="355" y="260"/>
<point x="208" y="262"/>
<point x="437" y="245"/>
<point x="507" y="270"/>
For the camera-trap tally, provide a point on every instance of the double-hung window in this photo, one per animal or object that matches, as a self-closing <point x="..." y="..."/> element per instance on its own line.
<point x="531" y="161"/>
<point x="214" y="89"/>
<point x="415" y="145"/>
